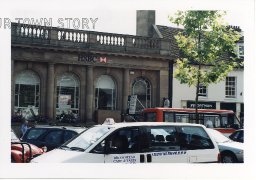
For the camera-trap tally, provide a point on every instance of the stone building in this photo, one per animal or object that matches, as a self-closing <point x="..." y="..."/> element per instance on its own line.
<point x="87" y="75"/>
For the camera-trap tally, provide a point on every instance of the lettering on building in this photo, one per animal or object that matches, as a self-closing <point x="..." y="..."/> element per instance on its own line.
<point x="91" y="58"/>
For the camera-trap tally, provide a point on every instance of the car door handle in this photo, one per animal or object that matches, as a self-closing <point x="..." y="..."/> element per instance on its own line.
<point x="142" y="158"/>
<point x="149" y="158"/>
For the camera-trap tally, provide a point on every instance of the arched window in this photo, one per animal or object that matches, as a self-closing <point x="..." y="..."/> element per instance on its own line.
<point x="142" y="88"/>
<point x="27" y="94"/>
<point x="67" y="104"/>
<point x="105" y="93"/>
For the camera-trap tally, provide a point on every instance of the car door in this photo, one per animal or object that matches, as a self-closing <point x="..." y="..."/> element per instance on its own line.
<point x="198" y="145"/>
<point x="122" y="147"/>
<point x="53" y="139"/>
<point x="162" y="145"/>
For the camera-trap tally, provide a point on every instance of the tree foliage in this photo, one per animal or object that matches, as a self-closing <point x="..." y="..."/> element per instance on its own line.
<point x="208" y="48"/>
<point x="206" y="40"/>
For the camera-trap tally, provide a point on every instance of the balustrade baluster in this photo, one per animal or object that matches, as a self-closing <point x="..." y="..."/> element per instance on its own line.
<point x="74" y="37"/>
<point x="42" y="34"/>
<point x="101" y="39"/>
<point x="108" y="40"/>
<point x="133" y="42"/>
<point x="81" y="37"/>
<point x="78" y="36"/>
<point x="70" y="36"/>
<point x="67" y="36"/>
<point x="122" y="41"/>
<point x="118" y="40"/>
<point x="104" y="39"/>
<point x="85" y="38"/>
<point x="21" y="32"/>
<point x="37" y="32"/>
<point x="46" y="34"/>
<point x="26" y="32"/>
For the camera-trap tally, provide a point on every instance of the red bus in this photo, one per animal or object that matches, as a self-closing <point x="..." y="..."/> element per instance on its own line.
<point x="224" y="121"/>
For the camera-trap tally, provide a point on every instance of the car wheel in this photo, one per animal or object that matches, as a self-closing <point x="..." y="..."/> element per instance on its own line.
<point x="228" y="158"/>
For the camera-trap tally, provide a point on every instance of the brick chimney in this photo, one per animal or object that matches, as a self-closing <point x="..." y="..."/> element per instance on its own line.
<point x="145" y="22"/>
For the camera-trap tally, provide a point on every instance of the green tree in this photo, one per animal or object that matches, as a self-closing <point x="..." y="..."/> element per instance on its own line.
<point x="208" y="48"/>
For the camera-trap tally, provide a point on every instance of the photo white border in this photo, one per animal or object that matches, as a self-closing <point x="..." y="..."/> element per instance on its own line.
<point x="32" y="8"/>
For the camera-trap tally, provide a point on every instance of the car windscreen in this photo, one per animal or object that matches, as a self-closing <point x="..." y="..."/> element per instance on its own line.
<point x="88" y="137"/>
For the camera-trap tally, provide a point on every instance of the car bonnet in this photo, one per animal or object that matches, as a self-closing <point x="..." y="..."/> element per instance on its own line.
<point x="57" y="156"/>
<point x="231" y="145"/>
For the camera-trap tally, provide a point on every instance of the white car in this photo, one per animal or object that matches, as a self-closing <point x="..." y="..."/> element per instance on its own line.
<point x="139" y="142"/>
<point x="230" y="151"/>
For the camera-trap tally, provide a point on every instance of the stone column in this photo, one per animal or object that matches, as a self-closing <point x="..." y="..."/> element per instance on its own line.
<point x="126" y="82"/>
<point x="83" y="95"/>
<point x="162" y="87"/>
<point x="50" y="91"/>
<point x="89" y="95"/>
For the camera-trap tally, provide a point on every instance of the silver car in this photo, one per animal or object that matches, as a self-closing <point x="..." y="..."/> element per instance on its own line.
<point x="231" y="151"/>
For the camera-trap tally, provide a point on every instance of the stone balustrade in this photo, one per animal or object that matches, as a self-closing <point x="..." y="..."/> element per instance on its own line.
<point x="70" y="38"/>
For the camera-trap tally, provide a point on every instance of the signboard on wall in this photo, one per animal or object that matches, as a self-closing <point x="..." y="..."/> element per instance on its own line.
<point x="64" y="101"/>
<point x="132" y="106"/>
<point x="201" y="105"/>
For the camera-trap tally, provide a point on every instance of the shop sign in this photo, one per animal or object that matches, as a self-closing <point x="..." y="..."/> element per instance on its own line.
<point x="91" y="58"/>
<point x="201" y="105"/>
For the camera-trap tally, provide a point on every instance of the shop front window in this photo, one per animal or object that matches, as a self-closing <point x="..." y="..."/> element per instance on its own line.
<point x="27" y="95"/>
<point x="142" y="88"/>
<point x="105" y="93"/>
<point x="67" y="100"/>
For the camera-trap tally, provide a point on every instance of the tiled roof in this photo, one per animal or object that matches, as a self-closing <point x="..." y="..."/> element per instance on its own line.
<point x="169" y="33"/>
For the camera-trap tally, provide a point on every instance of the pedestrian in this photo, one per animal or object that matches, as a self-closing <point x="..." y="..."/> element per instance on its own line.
<point x="166" y="102"/>
<point x="24" y="127"/>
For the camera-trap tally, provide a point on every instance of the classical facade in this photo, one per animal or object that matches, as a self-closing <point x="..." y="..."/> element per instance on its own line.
<point x="86" y="75"/>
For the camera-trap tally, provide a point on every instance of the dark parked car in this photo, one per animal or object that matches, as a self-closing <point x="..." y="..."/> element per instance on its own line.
<point x="237" y="136"/>
<point x="50" y="136"/>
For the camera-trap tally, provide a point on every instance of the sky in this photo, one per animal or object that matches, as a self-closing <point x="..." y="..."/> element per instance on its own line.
<point x="120" y="16"/>
<point x="122" y="21"/>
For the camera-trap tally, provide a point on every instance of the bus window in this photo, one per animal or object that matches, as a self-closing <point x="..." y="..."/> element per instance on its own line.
<point x="168" y="117"/>
<point x="182" y="118"/>
<point x="192" y="118"/>
<point x="224" y="122"/>
<point x="209" y="121"/>
<point x="150" y="117"/>
<point x="217" y="121"/>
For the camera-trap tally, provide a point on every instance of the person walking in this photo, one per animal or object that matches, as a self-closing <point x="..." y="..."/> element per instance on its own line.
<point x="24" y="128"/>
